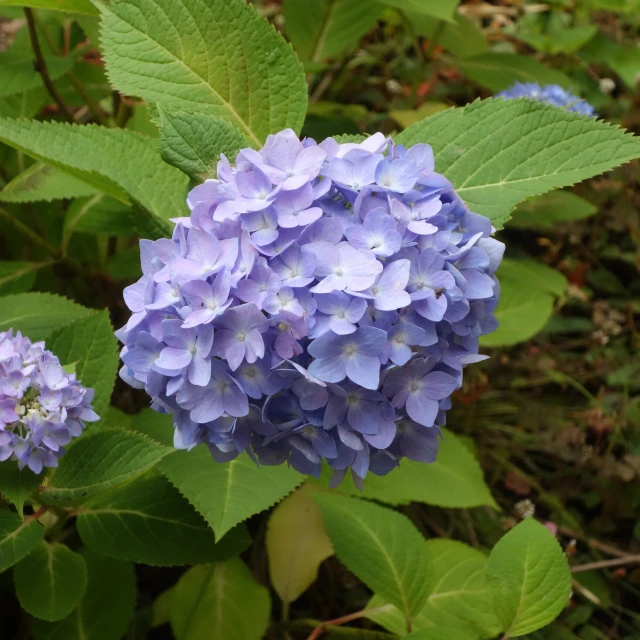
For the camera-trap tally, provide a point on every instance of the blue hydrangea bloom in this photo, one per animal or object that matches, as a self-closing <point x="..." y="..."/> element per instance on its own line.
<point x="319" y="303"/>
<point x="41" y="407"/>
<point x="551" y="94"/>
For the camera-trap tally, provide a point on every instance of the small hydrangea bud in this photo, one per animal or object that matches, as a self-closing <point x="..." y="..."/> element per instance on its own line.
<point x="551" y="94"/>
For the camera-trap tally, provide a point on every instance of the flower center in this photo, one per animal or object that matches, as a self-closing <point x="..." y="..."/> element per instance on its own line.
<point x="241" y="336"/>
<point x="349" y="350"/>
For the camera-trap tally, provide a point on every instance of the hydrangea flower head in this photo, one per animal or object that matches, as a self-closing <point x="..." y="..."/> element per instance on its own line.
<point x="551" y="94"/>
<point x="41" y="406"/>
<point x="319" y="304"/>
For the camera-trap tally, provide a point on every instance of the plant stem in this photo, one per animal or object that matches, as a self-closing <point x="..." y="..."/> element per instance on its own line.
<point x="433" y="41"/>
<point x="605" y="564"/>
<point x="345" y="632"/>
<point x="333" y="625"/>
<point x="34" y="237"/>
<point x="41" y="66"/>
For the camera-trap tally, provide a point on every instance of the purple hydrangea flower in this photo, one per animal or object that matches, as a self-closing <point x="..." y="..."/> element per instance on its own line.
<point x="551" y="94"/>
<point x="319" y="305"/>
<point x="41" y="406"/>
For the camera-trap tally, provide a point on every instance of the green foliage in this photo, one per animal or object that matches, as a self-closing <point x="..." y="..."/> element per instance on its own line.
<point x="17" y="484"/>
<point x="297" y="544"/>
<point x="220" y="601"/>
<point x="193" y="142"/>
<point x="460" y="37"/>
<point x="99" y="461"/>
<point x="106" y="609"/>
<point x="90" y="342"/>
<point x="327" y="28"/>
<point x="37" y="315"/>
<point x="529" y="577"/>
<point x="226" y="494"/>
<point x="17" y="76"/>
<point x="381" y="547"/>
<point x="493" y="154"/>
<point x="71" y="6"/>
<point x="164" y="52"/>
<point x="97" y="214"/>
<point x="50" y="581"/>
<point x="17" y="276"/>
<point x="545" y="211"/>
<point x="148" y="521"/>
<point x="442" y="9"/>
<point x="17" y="537"/>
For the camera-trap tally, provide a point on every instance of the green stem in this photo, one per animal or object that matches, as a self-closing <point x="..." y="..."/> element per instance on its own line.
<point x="85" y="95"/>
<point x="433" y="41"/>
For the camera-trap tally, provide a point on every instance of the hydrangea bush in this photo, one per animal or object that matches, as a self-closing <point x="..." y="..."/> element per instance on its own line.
<point x="320" y="302"/>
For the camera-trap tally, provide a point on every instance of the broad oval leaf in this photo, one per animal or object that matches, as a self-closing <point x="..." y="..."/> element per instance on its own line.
<point x="495" y="155"/>
<point x="217" y="57"/>
<point x="441" y="9"/>
<point x="545" y="211"/>
<point x="220" y="601"/>
<point x="381" y="547"/>
<point x="98" y="214"/>
<point x="68" y="6"/>
<point x="296" y="544"/>
<point x="226" y="494"/>
<point x="17" y="276"/>
<point x="17" y="537"/>
<point x="50" y="581"/>
<point x="529" y="577"/>
<point x="17" y="484"/>
<point x="99" y="461"/>
<point x="17" y="76"/>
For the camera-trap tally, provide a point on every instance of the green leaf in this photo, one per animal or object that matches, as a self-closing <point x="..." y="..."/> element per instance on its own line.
<point x="50" y="581"/>
<point x="529" y="578"/>
<point x="527" y="293"/>
<point x="37" y="315"/>
<point x="69" y="6"/>
<point x="458" y="595"/>
<point x="148" y="521"/>
<point x="327" y="28"/>
<point x="220" y="601"/>
<point x="121" y="163"/>
<point x="157" y="426"/>
<point x="549" y="209"/>
<point x="217" y="57"/>
<point x="90" y="342"/>
<point x="494" y="154"/>
<point x="441" y="9"/>
<point x="98" y="214"/>
<point x="17" y="484"/>
<point x="437" y="634"/>
<point x="44" y="182"/>
<point x="497" y="71"/>
<point x="297" y="544"/>
<point x="19" y="76"/>
<point x="623" y="60"/>
<point x="17" y="276"/>
<point x="99" y="461"/>
<point x="193" y="142"/>
<point x="381" y="547"/>
<point x="106" y="609"/>
<point x="226" y="494"/>
<point x="24" y="105"/>
<point x="406" y="117"/>
<point x="17" y="537"/>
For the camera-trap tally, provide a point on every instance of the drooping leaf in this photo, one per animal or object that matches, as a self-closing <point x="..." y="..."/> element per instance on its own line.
<point x="162" y="608"/>
<point x="17" y="276"/>
<point x="68" y="6"/>
<point x="19" y="76"/>
<point x="193" y="142"/>
<point x="297" y="544"/>
<point x="121" y="163"/>
<point x="497" y="71"/>
<point x="529" y="578"/>
<point x="495" y="156"/>
<point x="17" y="537"/>
<point x="98" y="214"/>
<point x="17" y="484"/>
<point x="545" y="211"/>
<point x="226" y="494"/>
<point x="148" y="521"/>
<point x="90" y="342"/>
<point x="44" y="182"/>
<point x="37" y="315"/>
<point x="99" y="461"/>
<point x="380" y="546"/>
<point x="220" y="601"/>
<point x="327" y="28"/>
<point x="441" y="9"/>
<point x="50" y="581"/>
<point x="217" y="57"/>
<point x="106" y="609"/>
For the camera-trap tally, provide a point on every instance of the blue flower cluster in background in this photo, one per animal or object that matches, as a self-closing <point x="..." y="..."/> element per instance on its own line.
<point x="551" y="94"/>
<point x="41" y="407"/>
<point x="319" y="303"/>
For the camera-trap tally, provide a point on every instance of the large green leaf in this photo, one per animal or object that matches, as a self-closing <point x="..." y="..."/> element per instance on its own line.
<point x="148" y="521"/>
<point x="70" y="6"/>
<point x="529" y="577"/>
<point x="106" y="609"/>
<point x="217" y="57"/>
<point x="497" y="71"/>
<point x="545" y="211"/>
<point x="381" y="547"/>
<point x="19" y="76"/>
<point x="37" y="315"/>
<point x="458" y="601"/>
<point x="296" y="545"/>
<point x="327" y="28"/>
<point x="121" y="163"/>
<point x="98" y="214"/>
<point x="226" y="494"/>
<point x="17" y="484"/>
<point x="220" y="601"/>
<point x="50" y="581"/>
<point x="17" y="537"/>
<point x="441" y="9"/>
<point x="90" y="343"/>
<point x="99" y="461"/>
<point x="44" y="182"/>
<point x="193" y="142"/>
<point x="500" y="152"/>
<point x="17" y="276"/>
